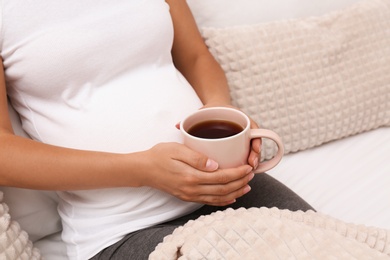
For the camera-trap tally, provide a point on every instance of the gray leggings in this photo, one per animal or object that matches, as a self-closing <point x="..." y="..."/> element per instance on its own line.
<point x="266" y="192"/>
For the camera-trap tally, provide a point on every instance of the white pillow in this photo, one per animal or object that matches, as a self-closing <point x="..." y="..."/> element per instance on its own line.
<point x="222" y="13"/>
<point x="14" y="242"/>
<point x="34" y="210"/>
<point x="312" y="80"/>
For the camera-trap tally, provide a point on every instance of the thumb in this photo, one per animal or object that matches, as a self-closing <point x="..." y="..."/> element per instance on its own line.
<point x="211" y="165"/>
<point x="195" y="159"/>
<point x="203" y="163"/>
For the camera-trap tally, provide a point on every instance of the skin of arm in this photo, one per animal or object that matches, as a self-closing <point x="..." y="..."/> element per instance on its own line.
<point x="170" y="167"/>
<point x="193" y="59"/>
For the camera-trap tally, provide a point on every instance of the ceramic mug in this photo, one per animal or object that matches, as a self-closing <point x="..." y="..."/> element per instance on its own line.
<point x="224" y="135"/>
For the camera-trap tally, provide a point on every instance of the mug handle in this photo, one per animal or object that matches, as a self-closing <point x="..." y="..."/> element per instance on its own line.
<point x="265" y="133"/>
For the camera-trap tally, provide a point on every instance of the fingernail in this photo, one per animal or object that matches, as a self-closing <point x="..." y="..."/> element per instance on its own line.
<point x="247" y="189"/>
<point x="249" y="170"/>
<point x="211" y="164"/>
<point x="251" y="176"/>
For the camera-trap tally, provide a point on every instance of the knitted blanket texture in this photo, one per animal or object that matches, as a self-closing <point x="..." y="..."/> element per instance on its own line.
<point x="14" y="242"/>
<point x="263" y="233"/>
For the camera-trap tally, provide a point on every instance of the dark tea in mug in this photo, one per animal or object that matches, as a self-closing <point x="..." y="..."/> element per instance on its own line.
<point x="214" y="129"/>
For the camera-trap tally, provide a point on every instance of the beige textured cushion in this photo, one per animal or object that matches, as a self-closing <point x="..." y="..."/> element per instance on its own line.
<point x="311" y="80"/>
<point x="14" y="242"/>
<point x="262" y="233"/>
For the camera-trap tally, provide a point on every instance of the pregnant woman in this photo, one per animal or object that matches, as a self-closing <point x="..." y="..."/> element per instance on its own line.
<point x="100" y="87"/>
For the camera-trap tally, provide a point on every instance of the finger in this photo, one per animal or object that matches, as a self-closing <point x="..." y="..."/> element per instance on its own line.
<point x="219" y="187"/>
<point x="254" y="155"/>
<point x="225" y="189"/>
<point x="254" y="124"/>
<point x="196" y="160"/>
<point x="226" y="199"/>
<point x="256" y="145"/>
<point x="225" y="176"/>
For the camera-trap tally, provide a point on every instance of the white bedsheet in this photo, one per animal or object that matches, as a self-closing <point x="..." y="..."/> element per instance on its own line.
<point x="348" y="179"/>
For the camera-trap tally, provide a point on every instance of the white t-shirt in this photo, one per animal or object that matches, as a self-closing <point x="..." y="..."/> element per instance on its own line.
<point x="98" y="75"/>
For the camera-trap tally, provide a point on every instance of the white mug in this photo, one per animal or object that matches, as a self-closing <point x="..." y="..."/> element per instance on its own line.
<point x="228" y="151"/>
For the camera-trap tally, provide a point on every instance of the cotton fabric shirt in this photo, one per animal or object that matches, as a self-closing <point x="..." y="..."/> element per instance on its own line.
<point x="98" y="75"/>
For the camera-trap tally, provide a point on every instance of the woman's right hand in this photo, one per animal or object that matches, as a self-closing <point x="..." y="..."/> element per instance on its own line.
<point x="191" y="176"/>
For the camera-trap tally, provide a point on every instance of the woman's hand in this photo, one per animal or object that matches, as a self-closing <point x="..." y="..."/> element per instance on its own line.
<point x="191" y="176"/>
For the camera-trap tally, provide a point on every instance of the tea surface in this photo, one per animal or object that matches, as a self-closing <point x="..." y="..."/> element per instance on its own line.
<point x="215" y="129"/>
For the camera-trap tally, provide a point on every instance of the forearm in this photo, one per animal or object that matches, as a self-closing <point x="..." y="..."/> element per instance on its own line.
<point x="193" y="59"/>
<point x="29" y="164"/>
<point x="208" y="80"/>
